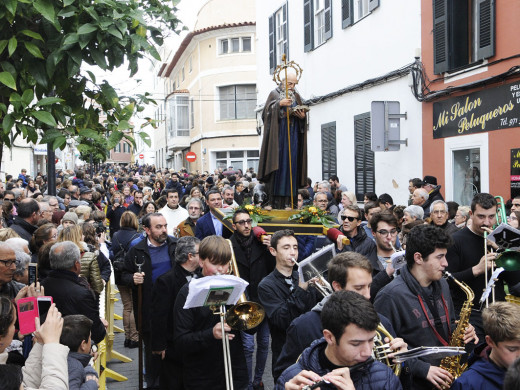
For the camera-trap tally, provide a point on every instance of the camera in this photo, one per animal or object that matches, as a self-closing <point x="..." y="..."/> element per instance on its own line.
<point x="100" y="228"/>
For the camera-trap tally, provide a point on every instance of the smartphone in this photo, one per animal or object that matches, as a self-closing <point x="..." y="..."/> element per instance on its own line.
<point x="27" y="312"/>
<point x="32" y="270"/>
<point x="44" y="304"/>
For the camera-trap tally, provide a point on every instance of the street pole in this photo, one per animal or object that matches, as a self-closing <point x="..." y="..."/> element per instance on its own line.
<point x="51" y="170"/>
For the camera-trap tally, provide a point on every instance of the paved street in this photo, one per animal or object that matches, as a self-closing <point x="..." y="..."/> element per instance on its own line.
<point x="130" y="369"/>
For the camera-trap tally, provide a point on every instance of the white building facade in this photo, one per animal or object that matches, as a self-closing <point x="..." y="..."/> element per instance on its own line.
<point x="352" y="53"/>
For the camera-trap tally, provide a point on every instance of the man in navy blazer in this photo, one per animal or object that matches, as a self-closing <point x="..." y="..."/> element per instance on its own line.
<point x="209" y="225"/>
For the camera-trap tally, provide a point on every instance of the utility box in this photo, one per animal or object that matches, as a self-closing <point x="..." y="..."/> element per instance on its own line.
<point x="385" y="121"/>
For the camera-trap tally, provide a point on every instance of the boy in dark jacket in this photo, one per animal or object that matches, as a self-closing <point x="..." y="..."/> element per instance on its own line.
<point x="489" y="362"/>
<point x="76" y="336"/>
<point x="343" y="356"/>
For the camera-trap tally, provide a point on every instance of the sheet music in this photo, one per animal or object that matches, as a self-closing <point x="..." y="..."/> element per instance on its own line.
<point x="199" y="289"/>
<point x="506" y="237"/>
<point x="490" y="284"/>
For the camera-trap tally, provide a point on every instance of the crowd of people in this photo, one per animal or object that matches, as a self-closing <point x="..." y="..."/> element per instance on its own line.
<point x="152" y="231"/>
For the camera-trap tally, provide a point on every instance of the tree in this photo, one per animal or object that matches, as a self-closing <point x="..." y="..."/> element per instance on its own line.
<point x="43" y="45"/>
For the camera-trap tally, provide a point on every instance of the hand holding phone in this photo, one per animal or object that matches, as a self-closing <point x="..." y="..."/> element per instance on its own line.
<point x="49" y="332"/>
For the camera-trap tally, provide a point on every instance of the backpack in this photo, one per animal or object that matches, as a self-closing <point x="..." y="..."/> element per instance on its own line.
<point x="119" y="259"/>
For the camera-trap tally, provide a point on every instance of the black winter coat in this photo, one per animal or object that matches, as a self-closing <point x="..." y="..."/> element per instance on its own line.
<point x="139" y="253"/>
<point x="253" y="270"/>
<point x="23" y="228"/>
<point x="71" y="297"/>
<point x="202" y="357"/>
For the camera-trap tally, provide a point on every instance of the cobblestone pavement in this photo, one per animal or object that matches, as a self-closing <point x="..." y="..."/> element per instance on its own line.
<point x="130" y="369"/>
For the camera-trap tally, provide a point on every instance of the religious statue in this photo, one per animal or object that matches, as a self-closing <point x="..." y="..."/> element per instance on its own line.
<point x="283" y="155"/>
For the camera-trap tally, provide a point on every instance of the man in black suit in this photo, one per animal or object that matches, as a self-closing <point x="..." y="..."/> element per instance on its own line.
<point x="208" y="224"/>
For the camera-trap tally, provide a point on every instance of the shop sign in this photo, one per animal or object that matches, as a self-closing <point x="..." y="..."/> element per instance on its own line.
<point x="515" y="172"/>
<point x="490" y="109"/>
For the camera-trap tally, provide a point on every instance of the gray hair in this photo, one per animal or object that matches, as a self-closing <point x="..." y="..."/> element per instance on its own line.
<point x="44" y="206"/>
<point x="17" y="193"/>
<point x="416" y="212"/>
<point x="185" y="246"/>
<point x="22" y="260"/>
<point x="351" y="195"/>
<point x="464" y="210"/>
<point x="324" y="183"/>
<point x="46" y="198"/>
<point x="196" y="200"/>
<point x="227" y="187"/>
<point x="18" y="244"/>
<point x="320" y="193"/>
<point x="64" y="255"/>
<point x="423" y="193"/>
<point x="438" y="202"/>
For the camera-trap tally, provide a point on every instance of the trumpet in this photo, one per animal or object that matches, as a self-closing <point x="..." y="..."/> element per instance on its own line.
<point x="317" y="280"/>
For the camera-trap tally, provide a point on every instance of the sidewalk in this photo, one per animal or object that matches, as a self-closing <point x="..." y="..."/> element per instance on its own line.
<point x="130" y="370"/>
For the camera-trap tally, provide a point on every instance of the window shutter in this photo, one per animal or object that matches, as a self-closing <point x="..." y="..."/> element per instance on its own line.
<point x="328" y="150"/>
<point x="328" y="19"/>
<point x="440" y="36"/>
<point x="373" y="4"/>
<point x="485" y="29"/>
<point x="363" y="156"/>
<point x="308" y="41"/>
<point x="346" y="13"/>
<point x="285" y="31"/>
<point x="272" y="45"/>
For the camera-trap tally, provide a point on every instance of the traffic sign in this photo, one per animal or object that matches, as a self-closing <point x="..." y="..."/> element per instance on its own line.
<point x="191" y="156"/>
<point x="141" y="156"/>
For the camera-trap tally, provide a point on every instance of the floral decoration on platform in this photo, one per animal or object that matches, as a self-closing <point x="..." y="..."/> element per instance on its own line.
<point x="313" y="215"/>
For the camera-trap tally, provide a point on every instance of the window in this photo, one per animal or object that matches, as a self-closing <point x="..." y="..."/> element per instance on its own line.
<point x="317" y="23"/>
<point x="192" y="114"/>
<point x="463" y="33"/>
<point x="235" y="45"/>
<point x="355" y="10"/>
<point x="238" y="159"/>
<point x="364" y="156"/>
<point x="178" y="118"/>
<point x="328" y="150"/>
<point x="237" y="101"/>
<point x="278" y="38"/>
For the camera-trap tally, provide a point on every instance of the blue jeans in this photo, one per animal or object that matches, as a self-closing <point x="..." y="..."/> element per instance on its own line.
<point x="262" y="340"/>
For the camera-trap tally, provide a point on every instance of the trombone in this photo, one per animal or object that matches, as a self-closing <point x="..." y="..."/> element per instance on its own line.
<point x="244" y="315"/>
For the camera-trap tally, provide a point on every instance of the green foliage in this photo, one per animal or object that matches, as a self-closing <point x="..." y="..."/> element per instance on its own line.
<point x="44" y="44"/>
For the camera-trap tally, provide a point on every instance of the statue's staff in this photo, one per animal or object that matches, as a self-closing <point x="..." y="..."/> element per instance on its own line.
<point x="276" y="77"/>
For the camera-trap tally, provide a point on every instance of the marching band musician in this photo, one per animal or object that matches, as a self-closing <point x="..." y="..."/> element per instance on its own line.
<point x="343" y="356"/>
<point x="198" y="333"/>
<point x="466" y="260"/>
<point x="419" y="306"/>
<point x="347" y="271"/>
<point x="489" y="362"/>
<point x="281" y="293"/>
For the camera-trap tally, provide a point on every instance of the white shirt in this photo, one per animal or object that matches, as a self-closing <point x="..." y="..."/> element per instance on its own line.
<point x="174" y="217"/>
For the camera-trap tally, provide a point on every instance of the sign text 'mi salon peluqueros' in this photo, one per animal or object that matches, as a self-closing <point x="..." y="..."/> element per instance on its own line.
<point x="491" y="109"/>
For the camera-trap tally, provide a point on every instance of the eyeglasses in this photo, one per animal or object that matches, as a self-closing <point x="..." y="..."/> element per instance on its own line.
<point x="9" y="199"/>
<point x="242" y="223"/>
<point x="8" y="263"/>
<point x="387" y="232"/>
<point x="351" y="219"/>
<point x="439" y="212"/>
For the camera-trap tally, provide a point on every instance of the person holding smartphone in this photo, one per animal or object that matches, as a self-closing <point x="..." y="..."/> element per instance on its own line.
<point x="46" y="366"/>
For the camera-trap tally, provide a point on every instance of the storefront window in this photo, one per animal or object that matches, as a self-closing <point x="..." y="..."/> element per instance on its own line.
<point x="466" y="175"/>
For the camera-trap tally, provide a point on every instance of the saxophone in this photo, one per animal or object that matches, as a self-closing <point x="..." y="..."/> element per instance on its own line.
<point x="452" y="363"/>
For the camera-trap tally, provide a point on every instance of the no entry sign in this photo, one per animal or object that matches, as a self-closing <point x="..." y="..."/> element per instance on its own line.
<point x="191" y="156"/>
<point x="141" y="156"/>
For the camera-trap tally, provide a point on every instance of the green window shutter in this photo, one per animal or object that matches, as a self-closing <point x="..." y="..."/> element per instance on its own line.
<point x="347" y="16"/>
<point x="485" y="29"/>
<point x="272" y="45"/>
<point x="328" y="150"/>
<point x="373" y="4"/>
<point x="328" y="19"/>
<point x="308" y="41"/>
<point x="363" y="156"/>
<point x="440" y="36"/>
